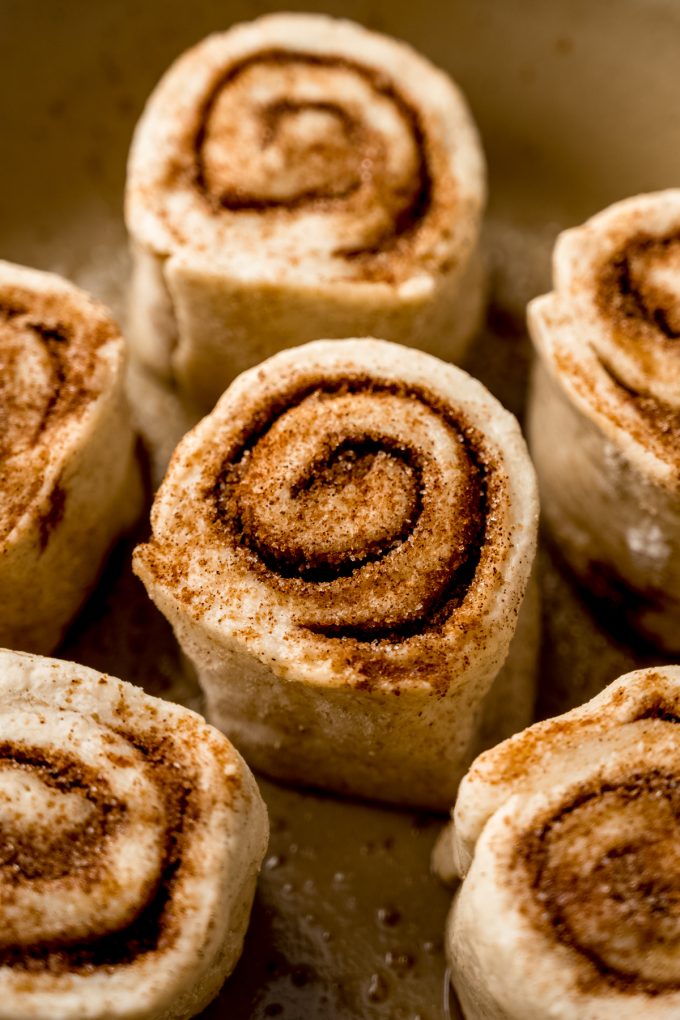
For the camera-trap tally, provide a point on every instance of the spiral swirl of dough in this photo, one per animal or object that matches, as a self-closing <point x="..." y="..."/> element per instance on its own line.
<point x="285" y="131"/>
<point x="49" y="344"/>
<point x="130" y="838"/>
<point x="354" y="520"/>
<point x="604" y="410"/>
<point x="363" y="496"/>
<point x="567" y="837"/>
<point x="606" y="872"/>
<point x="339" y="496"/>
<point x="299" y="176"/>
<point x="82" y="831"/>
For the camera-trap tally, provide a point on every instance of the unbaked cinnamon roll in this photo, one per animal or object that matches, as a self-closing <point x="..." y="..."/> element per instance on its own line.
<point x="69" y="478"/>
<point x="300" y="177"/>
<point x="566" y="838"/>
<point x="605" y="408"/>
<point x="343" y="547"/>
<point x="131" y="834"/>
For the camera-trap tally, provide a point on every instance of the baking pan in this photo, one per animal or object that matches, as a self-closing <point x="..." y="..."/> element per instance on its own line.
<point x="577" y="106"/>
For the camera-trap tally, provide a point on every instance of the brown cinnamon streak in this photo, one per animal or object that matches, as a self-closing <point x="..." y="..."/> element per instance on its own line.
<point x="625" y="302"/>
<point x="71" y="345"/>
<point x="53" y="337"/>
<point x="644" y="893"/>
<point x="454" y="585"/>
<point x="155" y="926"/>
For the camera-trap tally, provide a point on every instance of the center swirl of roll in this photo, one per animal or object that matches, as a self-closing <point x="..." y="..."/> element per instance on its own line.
<point x="82" y="832"/>
<point x="647" y="274"/>
<point x="286" y="131"/>
<point x="639" y="294"/>
<point x="608" y="875"/>
<point x="365" y="506"/>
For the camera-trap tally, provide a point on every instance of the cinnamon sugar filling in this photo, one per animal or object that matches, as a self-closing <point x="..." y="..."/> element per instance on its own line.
<point x="37" y="852"/>
<point x="158" y="922"/>
<point x="628" y="296"/>
<point x="662" y="420"/>
<point x="344" y="538"/>
<point x="29" y="394"/>
<point x="48" y="359"/>
<point x="605" y="876"/>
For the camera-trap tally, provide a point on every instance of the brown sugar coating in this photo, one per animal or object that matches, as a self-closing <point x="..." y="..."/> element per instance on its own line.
<point x="614" y="327"/>
<point x="325" y="152"/>
<point x="48" y="357"/>
<point x="656" y="421"/>
<point x="281" y="133"/>
<point x="635" y="300"/>
<point x="648" y="420"/>
<point x="604" y="874"/>
<point x="37" y="850"/>
<point x="630" y="298"/>
<point x="335" y="496"/>
<point x="350" y="518"/>
<point x="513" y="761"/>
<point x="35" y="857"/>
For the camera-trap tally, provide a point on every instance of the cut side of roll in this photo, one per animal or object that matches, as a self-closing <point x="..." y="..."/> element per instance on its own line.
<point x="69" y="477"/>
<point x="604" y="421"/>
<point x="131" y="835"/>
<point x="566" y="838"/>
<point x="343" y="547"/>
<point x="300" y="177"/>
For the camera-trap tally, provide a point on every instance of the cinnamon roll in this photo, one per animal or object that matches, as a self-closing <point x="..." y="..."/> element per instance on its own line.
<point x="566" y="838"/>
<point x="605" y="408"/>
<point x="69" y="477"/>
<point x="294" y="178"/>
<point x="343" y="547"/>
<point x="131" y="834"/>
